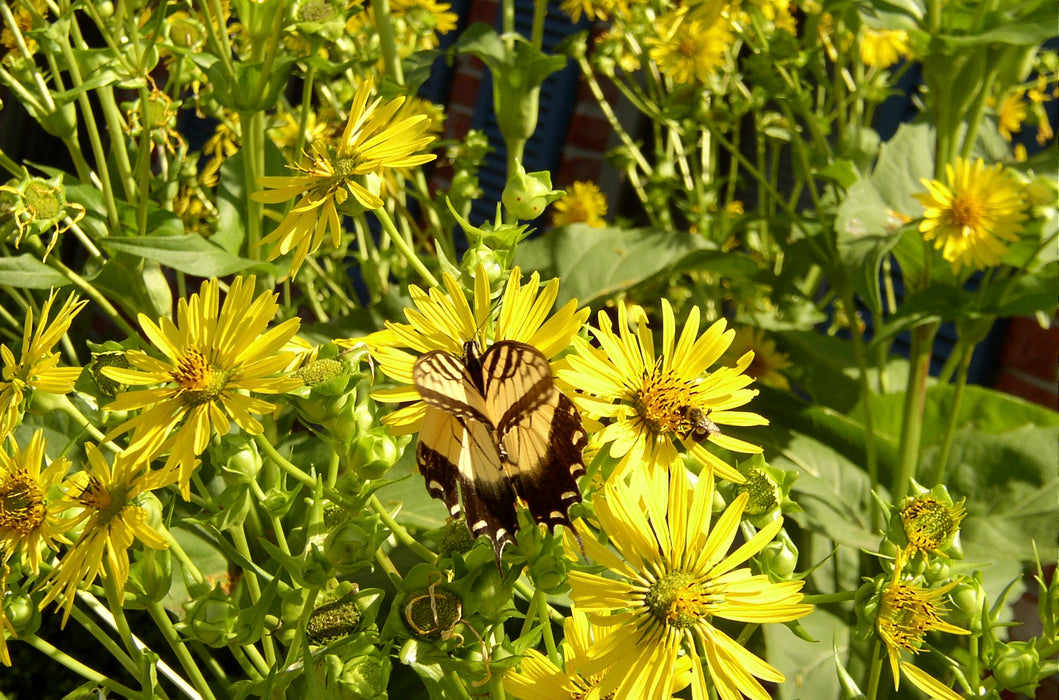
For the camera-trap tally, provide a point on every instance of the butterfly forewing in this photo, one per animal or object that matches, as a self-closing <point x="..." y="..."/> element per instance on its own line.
<point x="497" y="425"/>
<point x="444" y="383"/>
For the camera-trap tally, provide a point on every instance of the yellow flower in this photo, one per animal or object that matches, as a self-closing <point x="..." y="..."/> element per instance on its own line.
<point x="1013" y="111"/>
<point x="108" y="500"/>
<point x="883" y="48"/>
<point x="375" y="139"/>
<point x="930" y="524"/>
<point x="443" y="320"/>
<point x="40" y="207"/>
<point x="29" y="518"/>
<point x="768" y="362"/>
<point x="212" y="359"/>
<point x="971" y="215"/>
<point x="584" y="203"/>
<point x="648" y="398"/>
<point x="687" y="48"/>
<point x="906" y="613"/>
<point x="601" y="10"/>
<point x="540" y="679"/>
<point x="24" y="23"/>
<point x="671" y="577"/>
<point x="223" y="144"/>
<point x="425" y="19"/>
<point x="37" y="368"/>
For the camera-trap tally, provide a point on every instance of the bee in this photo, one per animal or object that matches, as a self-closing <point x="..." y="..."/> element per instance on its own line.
<point x="695" y="423"/>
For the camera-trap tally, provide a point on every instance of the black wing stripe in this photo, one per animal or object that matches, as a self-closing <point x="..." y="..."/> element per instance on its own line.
<point x="522" y="377"/>
<point x="443" y="383"/>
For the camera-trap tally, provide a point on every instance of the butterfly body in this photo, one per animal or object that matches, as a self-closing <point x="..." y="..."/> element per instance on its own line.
<point x="497" y="430"/>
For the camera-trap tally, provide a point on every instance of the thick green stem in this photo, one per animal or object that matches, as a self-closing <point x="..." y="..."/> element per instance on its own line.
<point x="915" y="397"/>
<point x="165" y="626"/>
<point x="954" y="410"/>
<point x="252" y="124"/>
<point x="79" y="668"/>
<point x="400" y="532"/>
<point x="403" y="247"/>
<point x="387" y="43"/>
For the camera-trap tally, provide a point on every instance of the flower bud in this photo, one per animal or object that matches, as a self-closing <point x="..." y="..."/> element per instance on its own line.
<point x="1016" y="667"/>
<point x="211" y="619"/>
<point x="363" y="677"/>
<point x="527" y="194"/>
<point x="107" y="386"/>
<point x="373" y="454"/>
<point x="22" y="613"/>
<point x="242" y="463"/>
<point x="455" y="538"/>
<point x="779" y="557"/>
<point x="333" y="621"/>
<point x="969" y="598"/>
<point x="429" y="612"/>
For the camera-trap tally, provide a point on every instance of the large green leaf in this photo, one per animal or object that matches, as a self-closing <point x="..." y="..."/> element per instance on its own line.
<point x="26" y="272"/>
<point x="595" y="263"/>
<point x="189" y="253"/>
<point x="868" y="221"/>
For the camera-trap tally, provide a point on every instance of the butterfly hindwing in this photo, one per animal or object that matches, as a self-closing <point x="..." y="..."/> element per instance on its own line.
<point x="547" y="445"/>
<point x="497" y="425"/>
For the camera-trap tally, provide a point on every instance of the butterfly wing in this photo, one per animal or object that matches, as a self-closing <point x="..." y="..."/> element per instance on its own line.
<point x="457" y="445"/>
<point x="538" y="428"/>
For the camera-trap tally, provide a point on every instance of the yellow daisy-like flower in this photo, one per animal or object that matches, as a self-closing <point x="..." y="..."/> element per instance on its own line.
<point x="37" y="368"/>
<point x="930" y="524"/>
<point x="540" y="679"/>
<point x="768" y="364"/>
<point x="882" y="48"/>
<point x="672" y="577"/>
<point x="426" y="19"/>
<point x="29" y="518"/>
<point x="108" y="502"/>
<point x="584" y="203"/>
<point x="648" y="398"/>
<point x="212" y="359"/>
<point x="688" y="49"/>
<point x="971" y="215"/>
<point x="443" y="320"/>
<point x="1013" y="112"/>
<point x="601" y="10"/>
<point x="375" y="139"/>
<point x="906" y="613"/>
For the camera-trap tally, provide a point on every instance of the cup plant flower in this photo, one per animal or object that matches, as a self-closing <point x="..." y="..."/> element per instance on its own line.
<point x="267" y="374"/>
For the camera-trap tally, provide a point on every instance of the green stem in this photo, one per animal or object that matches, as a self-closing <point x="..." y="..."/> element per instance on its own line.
<point x="871" y="455"/>
<point x="876" y="671"/>
<point x="954" y="410"/>
<point x="400" y="532"/>
<point x="252" y="125"/>
<point x="403" y="247"/>
<point x="540" y="604"/>
<point x="169" y="633"/>
<point x="79" y="668"/>
<point x="90" y="624"/>
<point x="915" y="398"/>
<point x="384" y="26"/>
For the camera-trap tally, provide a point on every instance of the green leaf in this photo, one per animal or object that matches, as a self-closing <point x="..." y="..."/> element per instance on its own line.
<point x="809" y="668"/>
<point x="1026" y="295"/>
<point x="865" y="234"/>
<point x="595" y="263"/>
<point x="868" y="222"/>
<point x="190" y="254"/>
<point x="25" y="271"/>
